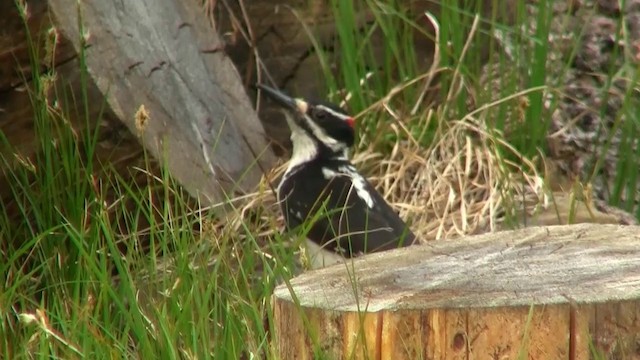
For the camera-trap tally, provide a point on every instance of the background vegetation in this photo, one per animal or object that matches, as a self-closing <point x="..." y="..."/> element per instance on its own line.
<point x="99" y="268"/>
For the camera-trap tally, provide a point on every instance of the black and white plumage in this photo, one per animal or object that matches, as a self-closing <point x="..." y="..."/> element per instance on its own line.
<point x="322" y="189"/>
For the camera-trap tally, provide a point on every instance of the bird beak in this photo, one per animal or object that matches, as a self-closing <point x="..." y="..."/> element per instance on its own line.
<point x="284" y="99"/>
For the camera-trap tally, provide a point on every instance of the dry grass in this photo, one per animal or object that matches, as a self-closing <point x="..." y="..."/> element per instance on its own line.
<point x="458" y="186"/>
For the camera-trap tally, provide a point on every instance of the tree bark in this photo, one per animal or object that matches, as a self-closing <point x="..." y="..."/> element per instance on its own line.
<point x="540" y="293"/>
<point x="165" y="75"/>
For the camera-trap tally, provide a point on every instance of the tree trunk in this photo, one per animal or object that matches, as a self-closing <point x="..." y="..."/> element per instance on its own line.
<point x="165" y="75"/>
<point x="536" y="293"/>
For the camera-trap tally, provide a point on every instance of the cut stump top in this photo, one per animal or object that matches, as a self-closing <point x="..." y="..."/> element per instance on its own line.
<point x="585" y="263"/>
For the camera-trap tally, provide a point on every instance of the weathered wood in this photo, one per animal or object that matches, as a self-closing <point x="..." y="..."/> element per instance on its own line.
<point x="166" y="58"/>
<point x="544" y="292"/>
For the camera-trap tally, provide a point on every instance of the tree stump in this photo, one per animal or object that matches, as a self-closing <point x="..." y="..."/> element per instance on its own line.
<point x="560" y="292"/>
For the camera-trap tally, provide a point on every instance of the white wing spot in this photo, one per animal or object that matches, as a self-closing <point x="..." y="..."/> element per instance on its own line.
<point x="357" y="180"/>
<point x="328" y="173"/>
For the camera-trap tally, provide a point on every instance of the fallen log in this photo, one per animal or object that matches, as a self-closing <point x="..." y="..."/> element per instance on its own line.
<point x="164" y="73"/>
<point x="535" y="293"/>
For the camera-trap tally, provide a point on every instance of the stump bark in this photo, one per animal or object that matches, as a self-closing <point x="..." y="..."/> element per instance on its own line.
<point x="560" y="292"/>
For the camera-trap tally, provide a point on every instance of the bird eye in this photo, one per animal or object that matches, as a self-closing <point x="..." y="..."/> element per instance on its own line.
<point x="320" y="114"/>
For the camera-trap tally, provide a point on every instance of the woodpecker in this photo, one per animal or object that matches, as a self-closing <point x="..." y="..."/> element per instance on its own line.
<point x="322" y="191"/>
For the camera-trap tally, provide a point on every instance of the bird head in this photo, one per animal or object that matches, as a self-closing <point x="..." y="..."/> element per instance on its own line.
<point x="317" y="128"/>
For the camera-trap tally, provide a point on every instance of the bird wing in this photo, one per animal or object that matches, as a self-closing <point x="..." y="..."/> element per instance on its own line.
<point x="340" y="218"/>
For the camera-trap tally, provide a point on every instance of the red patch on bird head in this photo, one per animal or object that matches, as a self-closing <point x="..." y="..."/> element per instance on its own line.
<point x="351" y="121"/>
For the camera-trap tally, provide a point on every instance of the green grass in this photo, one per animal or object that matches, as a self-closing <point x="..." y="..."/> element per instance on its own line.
<point x="76" y="283"/>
